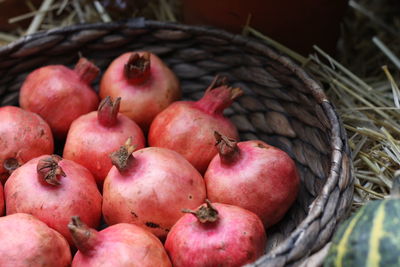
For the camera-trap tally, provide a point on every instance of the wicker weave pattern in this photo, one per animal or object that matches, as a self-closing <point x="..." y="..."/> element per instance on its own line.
<point x="282" y="105"/>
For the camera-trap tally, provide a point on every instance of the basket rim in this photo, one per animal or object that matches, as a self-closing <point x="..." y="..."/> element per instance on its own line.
<point x="142" y="23"/>
<point x="338" y="137"/>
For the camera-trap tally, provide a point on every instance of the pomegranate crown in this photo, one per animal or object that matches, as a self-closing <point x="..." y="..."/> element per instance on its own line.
<point x="120" y="158"/>
<point x="107" y="111"/>
<point x="228" y="149"/>
<point x="85" y="238"/>
<point x="86" y="70"/>
<point x="49" y="171"/>
<point x="218" y="96"/>
<point x="137" y="69"/>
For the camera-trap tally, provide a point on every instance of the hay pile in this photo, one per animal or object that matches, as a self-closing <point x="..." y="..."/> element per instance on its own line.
<point x="362" y="80"/>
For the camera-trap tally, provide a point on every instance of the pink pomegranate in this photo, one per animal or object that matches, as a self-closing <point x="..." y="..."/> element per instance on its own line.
<point x="188" y="127"/>
<point x="94" y="136"/>
<point x="253" y="175"/>
<point x="54" y="189"/>
<point x="153" y="184"/>
<point x="118" y="245"/>
<point x="28" y="242"/>
<point x="23" y="135"/>
<point x="1" y="200"/>
<point x="145" y="83"/>
<point x="216" y="235"/>
<point x="59" y="94"/>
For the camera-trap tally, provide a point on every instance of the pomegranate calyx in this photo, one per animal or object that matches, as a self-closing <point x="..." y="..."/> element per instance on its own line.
<point x="108" y="111"/>
<point x="227" y="148"/>
<point x="85" y="238"/>
<point x="121" y="157"/>
<point x="137" y="69"/>
<point x="218" y="81"/>
<point x="205" y="213"/>
<point x="49" y="171"/>
<point x="10" y="165"/>
<point x="236" y="92"/>
<point x="222" y="81"/>
<point x="218" y="96"/>
<point x="86" y="70"/>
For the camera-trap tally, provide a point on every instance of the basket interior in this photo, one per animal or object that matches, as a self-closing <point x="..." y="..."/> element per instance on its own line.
<point x="277" y="106"/>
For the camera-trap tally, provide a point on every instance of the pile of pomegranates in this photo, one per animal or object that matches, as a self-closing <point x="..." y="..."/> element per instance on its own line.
<point x="146" y="180"/>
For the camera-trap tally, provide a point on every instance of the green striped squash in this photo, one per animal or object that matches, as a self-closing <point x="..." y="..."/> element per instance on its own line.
<point x="371" y="237"/>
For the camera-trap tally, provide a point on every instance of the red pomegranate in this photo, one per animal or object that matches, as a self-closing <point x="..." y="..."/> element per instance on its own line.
<point x="153" y="184"/>
<point x="94" y="136"/>
<point x="253" y="175"/>
<point x="216" y="235"/>
<point x="117" y="245"/>
<point x="54" y="189"/>
<point x="1" y="200"/>
<point x="23" y="135"/>
<point x="188" y="126"/>
<point x="145" y="84"/>
<point x="60" y="95"/>
<point x="28" y="242"/>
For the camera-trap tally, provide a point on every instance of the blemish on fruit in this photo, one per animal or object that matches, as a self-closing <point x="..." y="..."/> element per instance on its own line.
<point x="152" y="225"/>
<point x="261" y="145"/>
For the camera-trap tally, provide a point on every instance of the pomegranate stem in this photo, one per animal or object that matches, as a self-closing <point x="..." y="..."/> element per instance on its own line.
<point x="205" y="213"/>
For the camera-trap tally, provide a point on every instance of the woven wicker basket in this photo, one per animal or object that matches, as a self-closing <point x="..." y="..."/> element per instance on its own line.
<point x="282" y="105"/>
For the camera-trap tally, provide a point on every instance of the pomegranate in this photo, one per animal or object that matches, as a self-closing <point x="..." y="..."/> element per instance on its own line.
<point x="217" y="235"/>
<point x="59" y="94"/>
<point x="54" y="189"/>
<point x="28" y="242"/>
<point x="153" y="184"/>
<point x="92" y="137"/>
<point x="1" y="200"/>
<point x="23" y="135"/>
<point x="188" y="127"/>
<point x="252" y="175"/>
<point x="118" y="245"/>
<point x="145" y="83"/>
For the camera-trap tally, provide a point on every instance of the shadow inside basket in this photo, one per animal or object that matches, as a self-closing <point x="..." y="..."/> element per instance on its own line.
<point x="277" y="107"/>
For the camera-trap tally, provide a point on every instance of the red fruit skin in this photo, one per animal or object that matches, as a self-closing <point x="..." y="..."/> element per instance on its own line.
<point x="89" y="143"/>
<point x="124" y="245"/>
<point x="153" y="189"/>
<point x="23" y="135"/>
<point x="189" y="131"/>
<point x="58" y="95"/>
<point x="264" y="180"/>
<point x="76" y="195"/>
<point x="236" y="238"/>
<point x="141" y="102"/>
<point x="1" y="200"/>
<point x="28" y="242"/>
